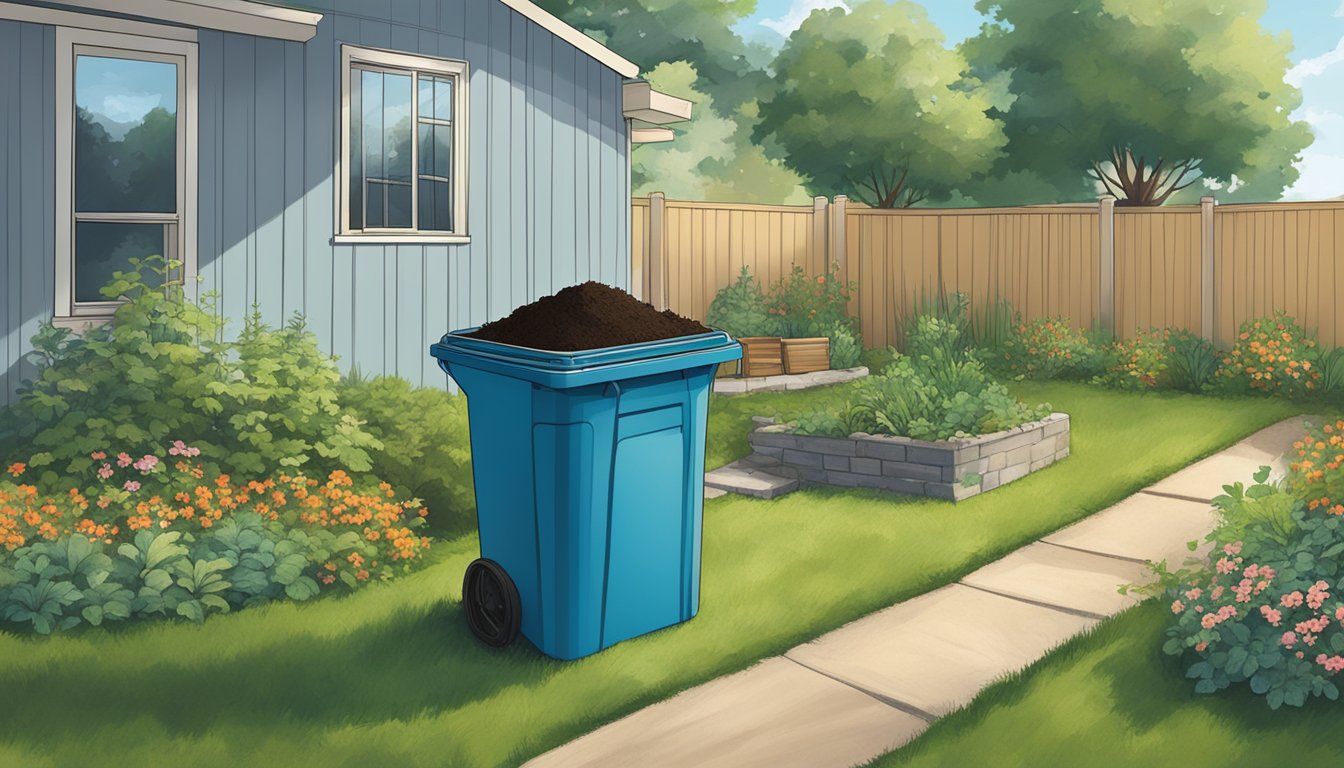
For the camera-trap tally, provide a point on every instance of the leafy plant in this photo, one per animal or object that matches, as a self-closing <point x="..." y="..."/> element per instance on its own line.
<point x="1272" y="355"/>
<point x="1332" y="373"/>
<point x="1141" y="362"/>
<point x="742" y="310"/>
<point x="811" y="305"/>
<point x="845" y="349"/>
<point x="426" y="450"/>
<point x="1047" y="348"/>
<point x="1193" y="361"/>
<point x="161" y="370"/>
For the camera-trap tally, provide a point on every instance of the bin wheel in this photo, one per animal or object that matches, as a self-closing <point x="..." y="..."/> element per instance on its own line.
<point x="491" y="602"/>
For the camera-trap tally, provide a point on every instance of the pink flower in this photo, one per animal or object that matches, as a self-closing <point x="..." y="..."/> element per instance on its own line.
<point x="1209" y="621"/>
<point x="1299" y="654"/>
<point x="1339" y="613"/>
<point x="123" y="459"/>
<point x="182" y="449"/>
<point x="1178" y="606"/>
<point x="1199" y="609"/>
<point x="1199" y="647"/>
<point x="98" y="455"/>
<point x="1193" y="594"/>
<point x="1332" y="664"/>
<point x="1267" y="573"/>
<point x="1317" y="595"/>
<point x="1291" y="600"/>
<point x="1272" y="616"/>
<point x="132" y="486"/>
<point x="1251" y="571"/>
<point x="105" y="471"/>
<point x="1232" y="549"/>
<point x="1225" y="566"/>
<point x="1216" y="593"/>
<point x="147" y="463"/>
<point x="1289" y="639"/>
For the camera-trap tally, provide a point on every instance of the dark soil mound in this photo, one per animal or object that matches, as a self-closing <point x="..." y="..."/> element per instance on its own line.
<point x="586" y="316"/>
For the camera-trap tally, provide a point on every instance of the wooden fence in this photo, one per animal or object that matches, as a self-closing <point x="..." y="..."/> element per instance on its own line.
<point x="1203" y="267"/>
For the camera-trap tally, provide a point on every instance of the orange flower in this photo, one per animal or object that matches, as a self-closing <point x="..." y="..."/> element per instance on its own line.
<point x="17" y="468"/>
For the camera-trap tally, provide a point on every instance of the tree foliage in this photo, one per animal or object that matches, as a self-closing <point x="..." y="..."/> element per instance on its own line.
<point x="712" y="157"/>
<point x="1143" y="95"/>
<point x="870" y="103"/>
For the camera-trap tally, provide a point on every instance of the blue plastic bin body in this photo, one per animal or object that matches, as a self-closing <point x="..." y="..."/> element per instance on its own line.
<point x="589" y="473"/>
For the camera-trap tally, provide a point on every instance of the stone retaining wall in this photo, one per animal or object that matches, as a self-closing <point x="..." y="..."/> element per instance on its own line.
<point x="952" y="469"/>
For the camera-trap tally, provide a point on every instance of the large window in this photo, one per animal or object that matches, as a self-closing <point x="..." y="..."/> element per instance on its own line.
<point x="125" y="129"/>
<point x="403" y="147"/>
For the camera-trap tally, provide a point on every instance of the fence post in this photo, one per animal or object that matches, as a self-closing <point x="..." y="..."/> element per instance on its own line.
<point x="819" y="235"/>
<point x="1207" y="297"/>
<point x="655" y="268"/>
<point x="836" y="251"/>
<point x="1106" y="264"/>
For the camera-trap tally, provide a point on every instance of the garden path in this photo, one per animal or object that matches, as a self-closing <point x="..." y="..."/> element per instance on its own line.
<point x="876" y="683"/>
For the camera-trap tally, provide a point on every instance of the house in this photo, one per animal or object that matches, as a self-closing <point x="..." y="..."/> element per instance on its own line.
<point x="391" y="169"/>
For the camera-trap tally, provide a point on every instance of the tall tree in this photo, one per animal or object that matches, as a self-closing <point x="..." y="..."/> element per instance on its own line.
<point x="1142" y="97"/>
<point x="712" y="157"/>
<point x="650" y="32"/>
<point x="869" y="102"/>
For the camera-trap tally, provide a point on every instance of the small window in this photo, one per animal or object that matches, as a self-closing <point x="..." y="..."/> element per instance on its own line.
<point x="403" y="147"/>
<point x="126" y="123"/>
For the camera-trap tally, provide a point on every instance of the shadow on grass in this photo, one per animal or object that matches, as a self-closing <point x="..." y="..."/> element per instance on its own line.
<point x="409" y="665"/>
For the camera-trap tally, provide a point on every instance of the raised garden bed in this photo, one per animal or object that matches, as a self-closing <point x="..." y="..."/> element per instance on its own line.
<point x="782" y="382"/>
<point x="951" y="469"/>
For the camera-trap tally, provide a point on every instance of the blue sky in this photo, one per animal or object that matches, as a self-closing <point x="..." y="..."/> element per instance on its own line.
<point x="1316" y="28"/>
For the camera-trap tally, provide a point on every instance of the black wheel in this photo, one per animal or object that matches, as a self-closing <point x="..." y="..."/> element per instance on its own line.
<point x="491" y="602"/>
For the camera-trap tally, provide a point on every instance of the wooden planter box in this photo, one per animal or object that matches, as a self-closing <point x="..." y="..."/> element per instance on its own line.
<point x="762" y="356"/>
<point x="807" y="355"/>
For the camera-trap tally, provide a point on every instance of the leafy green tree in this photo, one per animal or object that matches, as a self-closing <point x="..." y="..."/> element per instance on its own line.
<point x="870" y="103"/>
<point x="712" y="157"/>
<point x="650" y="32"/>
<point x="1143" y="97"/>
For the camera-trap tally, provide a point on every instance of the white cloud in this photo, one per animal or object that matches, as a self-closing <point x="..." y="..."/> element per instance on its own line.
<point x="1340" y="12"/>
<point x="129" y="107"/>
<point x="1316" y="65"/>
<point x="1322" y="177"/>
<point x="798" y="12"/>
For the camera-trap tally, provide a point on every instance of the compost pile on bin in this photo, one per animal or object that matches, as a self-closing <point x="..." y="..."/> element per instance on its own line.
<point x="587" y="316"/>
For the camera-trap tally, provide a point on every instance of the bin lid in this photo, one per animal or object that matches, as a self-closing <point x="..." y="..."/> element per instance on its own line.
<point x="575" y="368"/>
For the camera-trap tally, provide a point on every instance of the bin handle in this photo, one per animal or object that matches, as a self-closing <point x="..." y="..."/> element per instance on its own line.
<point x="611" y="492"/>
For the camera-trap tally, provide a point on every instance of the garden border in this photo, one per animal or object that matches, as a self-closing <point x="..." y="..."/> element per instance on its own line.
<point x="953" y="469"/>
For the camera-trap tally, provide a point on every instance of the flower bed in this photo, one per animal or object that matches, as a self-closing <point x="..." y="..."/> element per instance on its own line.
<point x="143" y="539"/>
<point x="953" y="469"/>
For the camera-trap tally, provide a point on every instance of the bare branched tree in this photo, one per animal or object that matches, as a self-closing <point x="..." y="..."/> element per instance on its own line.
<point x="888" y="188"/>
<point x="1133" y="183"/>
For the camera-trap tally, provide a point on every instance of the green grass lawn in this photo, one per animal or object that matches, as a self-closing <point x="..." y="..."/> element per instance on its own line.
<point x="1110" y="698"/>
<point x="390" y="676"/>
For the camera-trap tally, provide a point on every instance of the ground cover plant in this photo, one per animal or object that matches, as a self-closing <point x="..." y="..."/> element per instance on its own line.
<point x="390" y="674"/>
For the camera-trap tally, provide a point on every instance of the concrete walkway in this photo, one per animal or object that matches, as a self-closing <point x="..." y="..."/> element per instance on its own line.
<point x="875" y="684"/>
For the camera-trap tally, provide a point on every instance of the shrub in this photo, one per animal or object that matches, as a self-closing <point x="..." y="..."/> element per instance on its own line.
<point x="1332" y="373"/>
<point x="1272" y="355"/>
<point x="1141" y="362"/>
<point x="939" y="391"/>
<point x="1192" y="362"/>
<point x="846" y="351"/>
<point x="741" y="309"/>
<point x="143" y="539"/>
<point x="810" y="305"/>
<point x="1266" y="611"/>
<point x="160" y="370"/>
<point x="1047" y="348"/>
<point x="426" y="451"/>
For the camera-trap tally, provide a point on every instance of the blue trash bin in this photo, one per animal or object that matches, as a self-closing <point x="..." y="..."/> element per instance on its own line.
<point x="589" y="472"/>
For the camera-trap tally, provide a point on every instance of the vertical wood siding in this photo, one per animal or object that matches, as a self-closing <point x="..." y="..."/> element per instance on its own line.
<point x="548" y="191"/>
<point x="27" y="193"/>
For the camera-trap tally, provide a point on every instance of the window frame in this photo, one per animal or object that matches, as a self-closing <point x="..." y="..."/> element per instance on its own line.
<point x="404" y="63"/>
<point x="180" y="235"/>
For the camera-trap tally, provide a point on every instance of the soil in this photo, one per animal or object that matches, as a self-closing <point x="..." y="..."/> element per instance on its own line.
<point x="586" y="316"/>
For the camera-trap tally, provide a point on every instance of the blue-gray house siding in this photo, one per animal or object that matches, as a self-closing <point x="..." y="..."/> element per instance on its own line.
<point x="548" y="182"/>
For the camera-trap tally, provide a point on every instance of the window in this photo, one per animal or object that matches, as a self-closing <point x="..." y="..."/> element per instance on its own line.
<point x="403" y="147"/>
<point x="126" y="127"/>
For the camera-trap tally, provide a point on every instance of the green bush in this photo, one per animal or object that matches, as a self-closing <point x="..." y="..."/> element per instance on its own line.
<point x="426" y="451"/>
<point x="937" y="392"/>
<point x="741" y="309"/>
<point x="846" y="351"/>
<point x="811" y="305"/>
<point x="1047" y="348"/>
<point x="162" y="371"/>
<point x="1271" y="355"/>
<point x="1193" y="361"/>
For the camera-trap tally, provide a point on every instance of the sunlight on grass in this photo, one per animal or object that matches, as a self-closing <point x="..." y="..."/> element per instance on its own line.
<point x="1111" y="699"/>
<point x="390" y="676"/>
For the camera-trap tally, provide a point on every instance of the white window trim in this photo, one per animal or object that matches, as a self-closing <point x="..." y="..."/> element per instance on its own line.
<point x="461" y="72"/>
<point x="68" y="42"/>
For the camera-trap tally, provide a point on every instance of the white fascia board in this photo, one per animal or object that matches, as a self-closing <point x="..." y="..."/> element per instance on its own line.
<point x="574" y="37"/>
<point x="642" y="102"/>
<point x="241" y="16"/>
<point x="651" y="135"/>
